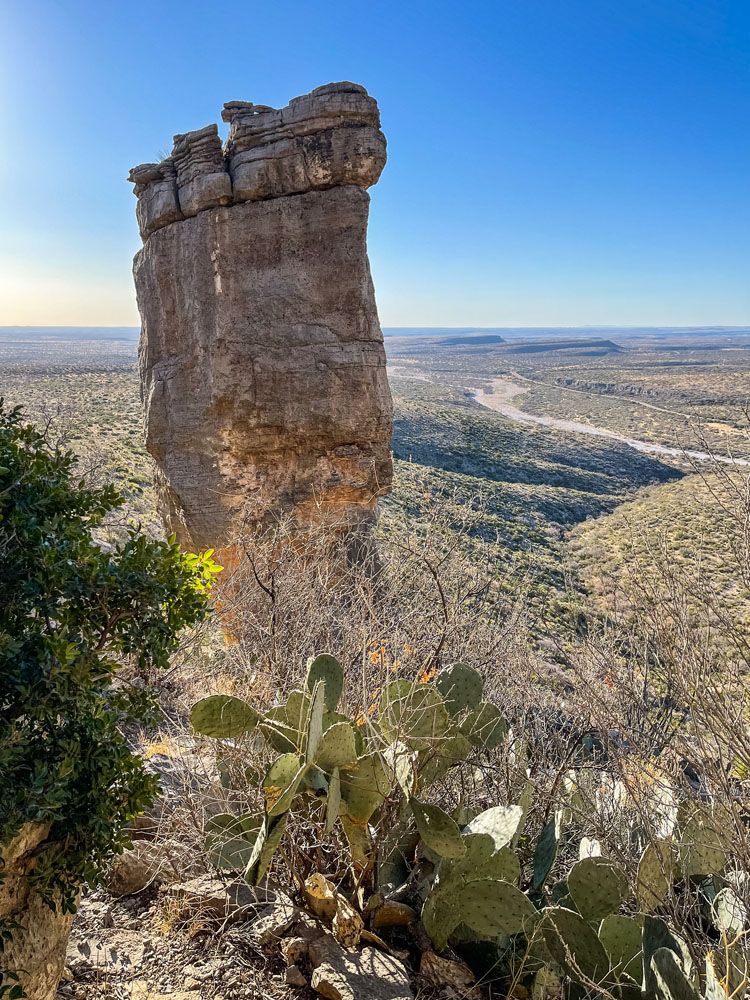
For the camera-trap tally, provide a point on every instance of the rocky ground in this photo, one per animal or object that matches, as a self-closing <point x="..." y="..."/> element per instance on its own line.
<point x="206" y="938"/>
<point x="145" y="947"/>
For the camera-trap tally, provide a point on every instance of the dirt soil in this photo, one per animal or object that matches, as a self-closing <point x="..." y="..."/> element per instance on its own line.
<point x="137" y="948"/>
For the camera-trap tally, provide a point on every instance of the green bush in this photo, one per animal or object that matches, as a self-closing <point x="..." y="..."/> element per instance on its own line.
<point x="72" y="612"/>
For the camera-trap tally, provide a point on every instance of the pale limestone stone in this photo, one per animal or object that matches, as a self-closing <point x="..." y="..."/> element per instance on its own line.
<point x="135" y="869"/>
<point x="341" y="974"/>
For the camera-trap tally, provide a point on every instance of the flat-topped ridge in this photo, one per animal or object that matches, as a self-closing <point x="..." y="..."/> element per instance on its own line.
<point x="327" y="138"/>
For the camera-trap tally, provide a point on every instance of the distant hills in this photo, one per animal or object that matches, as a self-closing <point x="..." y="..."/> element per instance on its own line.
<point x="581" y="345"/>
<point x="453" y="335"/>
<point x="512" y="333"/>
<point x="62" y="333"/>
<point x="472" y="340"/>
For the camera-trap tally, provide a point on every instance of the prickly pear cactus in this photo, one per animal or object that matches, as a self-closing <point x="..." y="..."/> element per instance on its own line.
<point x="622" y="939"/>
<point x="574" y="945"/>
<point x="267" y="841"/>
<point x="460" y="687"/>
<point x="413" y="714"/>
<point x="485" y="727"/>
<point x="657" y="870"/>
<point x="657" y="935"/>
<point x="341" y="773"/>
<point x="487" y="906"/>
<point x="230" y="839"/>
<point x="481" y="860"/>
<point x="546" y="850"/>
<point x="337" y="747"/>
<point x="670" y="980"/>
<point x="499" y="822"/>
<point x="438" y="830"/>
<point x="597" y="887"/>
<point x="702" y="844"/>
<point x="328" y="669"/>
<point x="223" y="717"/>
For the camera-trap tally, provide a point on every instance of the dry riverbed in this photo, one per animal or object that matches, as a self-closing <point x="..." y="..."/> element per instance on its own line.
<point x="500" y="399"/>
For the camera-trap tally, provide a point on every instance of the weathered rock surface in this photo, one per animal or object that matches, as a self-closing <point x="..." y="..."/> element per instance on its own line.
<point x="262" y="359"/>
<point x="351" y="975"/>
<point x="135" y="869"/>
<point x="37" y="945"/>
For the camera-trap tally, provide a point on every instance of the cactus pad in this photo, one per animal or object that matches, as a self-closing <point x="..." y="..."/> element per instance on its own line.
<point x="491" y="908"/>
<point x="621" y="938"/>
<point x="294" y="713"/>
<point x="333" y="801"/>
<point x="437" y="760"/>
<point x="230" y="839"/>
<point x="326" y="668"/>
<point x="314" y="727"/>
<point x="656" y="873"/>
<point x="331" y="718"/>
<point x="223" y="717"/>
<point x="412" y="713"/>
<point x="441" y="914"/>
<point x="499" y="822"/>
<point x="482" y="861"/>
<point x="669" y="978"/>
<point x="657" y="935"/>
<point x="438" y="831"/>
<point x="485" y="727"/>
<point x="268" y="839"/>
<point x="400" y="759"/>
<point x="364" y="786"/>
<point x="546" y="850"/>
<point x="597" y="887"/>
<point x="281" y="783"/>
<point x="702" y="846"/>
<point x="460" y="687"/>
<point x="487" y="906"/>
<point x="729" y="913"/>
<point x="277" y="732"/>
<point x="574" y="945"/>
<point x="336" y="748"/>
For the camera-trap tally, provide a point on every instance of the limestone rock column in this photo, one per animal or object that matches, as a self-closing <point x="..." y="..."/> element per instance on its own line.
<point x="261" y="355"/>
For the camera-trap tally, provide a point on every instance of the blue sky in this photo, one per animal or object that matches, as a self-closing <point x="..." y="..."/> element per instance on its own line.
<point x="557" y="162"/>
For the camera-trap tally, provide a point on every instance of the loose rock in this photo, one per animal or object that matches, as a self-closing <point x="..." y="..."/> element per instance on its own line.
<point x="352" y="975"/>
<point x="135" y="869"/>
<point x="294" y="977"/>
<point x="448" y="972"/>
<point x="326" y="902"/>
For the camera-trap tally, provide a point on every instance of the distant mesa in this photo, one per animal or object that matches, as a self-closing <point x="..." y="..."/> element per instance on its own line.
<point x="262" y="362"/>
<point x="583" y="347"/>
<point x="472" y="340"/>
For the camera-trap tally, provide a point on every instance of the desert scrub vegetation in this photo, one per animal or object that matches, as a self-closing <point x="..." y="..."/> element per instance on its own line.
<point x="88" y="399"/>
<point x="624" y="756"/>
<point x="589" y="837"/>
<point x="72" y="614"/>
<point x="683" y="553"/>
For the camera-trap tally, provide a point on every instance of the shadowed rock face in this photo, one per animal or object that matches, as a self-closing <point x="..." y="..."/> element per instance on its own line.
<point x="262" y="360"/>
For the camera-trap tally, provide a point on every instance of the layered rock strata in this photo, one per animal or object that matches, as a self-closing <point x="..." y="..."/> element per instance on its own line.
<point x="261" y="355"/>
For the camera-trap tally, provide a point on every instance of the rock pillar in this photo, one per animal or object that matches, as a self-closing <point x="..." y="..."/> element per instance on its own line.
<point x="261" y="355"/>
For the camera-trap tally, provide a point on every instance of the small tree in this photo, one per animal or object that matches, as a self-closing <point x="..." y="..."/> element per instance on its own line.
<point x="72" y="612"/>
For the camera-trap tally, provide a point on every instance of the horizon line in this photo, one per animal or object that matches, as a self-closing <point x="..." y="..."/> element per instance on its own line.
<point x="417" y="326"/>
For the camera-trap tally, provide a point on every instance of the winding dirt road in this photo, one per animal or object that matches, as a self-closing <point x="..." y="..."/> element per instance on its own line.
<point x="504" y="391"/>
